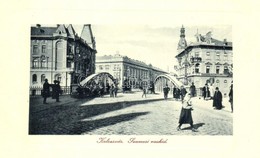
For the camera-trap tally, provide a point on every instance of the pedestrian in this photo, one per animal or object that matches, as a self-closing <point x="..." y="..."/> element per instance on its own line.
<point x="152" y="88"/>
<point x="217" y="99"/>
<point x="144" y="92"/>
<point x="166" y="90"/>
<point x="46" y="91"/>
<point x="107" y="88"/>
<point x="56" y="90"/>
<point x="205" y="91"/>
<point x="115" y="90"/>
<point x="192" y="90"/>
<point x="231" y="96"/>
<point x="111" y="91"/>
<point x="211" y="91"/>
<point x="174" y="92"/>
<point x="185" y="115"/>
<point x="183" y="92"/>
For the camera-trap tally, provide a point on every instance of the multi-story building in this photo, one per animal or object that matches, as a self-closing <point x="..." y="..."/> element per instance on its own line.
<point x="58" y="53"/>
<point x="125" y="69"/>
<point x="207" y="60"/>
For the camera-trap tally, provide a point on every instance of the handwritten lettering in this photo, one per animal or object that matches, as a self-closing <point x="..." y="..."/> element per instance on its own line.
<point x="108" y="140"/>
<point x="134" y="140"/>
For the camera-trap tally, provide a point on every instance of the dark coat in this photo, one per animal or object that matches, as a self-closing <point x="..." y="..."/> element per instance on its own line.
<point x="56" y="90"/>
<point x="192" y="90"/>
<point x="217" y="100"/>
<point x="166" y="90"/>
<point x="205" y="91"/>
<point x="183" y="92"/>
<point x="46" y="90"/>
<point x="231" y="94"/>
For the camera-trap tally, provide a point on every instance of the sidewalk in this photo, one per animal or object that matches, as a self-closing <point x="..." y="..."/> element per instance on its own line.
<point x="208" y="104"/>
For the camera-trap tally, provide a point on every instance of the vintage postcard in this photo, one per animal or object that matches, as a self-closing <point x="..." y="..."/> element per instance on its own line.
<point x="129" y="79"/>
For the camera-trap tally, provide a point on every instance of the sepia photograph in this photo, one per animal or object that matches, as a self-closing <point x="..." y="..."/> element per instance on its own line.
<point x="131" y="80"/>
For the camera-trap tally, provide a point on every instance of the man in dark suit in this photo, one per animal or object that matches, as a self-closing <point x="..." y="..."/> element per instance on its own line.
<point x="45" y="91"/>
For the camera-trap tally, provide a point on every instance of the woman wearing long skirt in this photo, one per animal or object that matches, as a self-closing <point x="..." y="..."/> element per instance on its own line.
<point x="186" y="116"/>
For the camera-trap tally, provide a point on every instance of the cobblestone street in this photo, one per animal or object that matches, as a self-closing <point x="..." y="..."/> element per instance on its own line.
<point x="128" y="114"/>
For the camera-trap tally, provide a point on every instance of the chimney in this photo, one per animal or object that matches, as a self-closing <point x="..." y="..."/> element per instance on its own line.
<point x="225" y="41"/>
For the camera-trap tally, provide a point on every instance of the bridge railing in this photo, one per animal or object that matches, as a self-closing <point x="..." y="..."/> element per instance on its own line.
<point x="37" y="90"/>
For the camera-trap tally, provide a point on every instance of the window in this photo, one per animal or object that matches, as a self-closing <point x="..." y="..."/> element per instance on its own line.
<point x="197" y="54"/>
<point x="225" y="70"/>
<point x="58" y="77"/>
<point x="43" y="63"/>
<point x="35" y="49"/>
<point x="106" y="67"/>
<point x="197" y="68"/>
<point x="34" y="78"/>
<point x="100" y="67"/>
<point x="35" y="63"/>
<point x="217" y="69"/>
<point x="225" y="56"/>
<point x="42" y="78"/>
<point x="207" y="69"/>
<point x="43" y="48"/>
<point x="68" y="64"/>
<point x="218" y="56"/>
<point x="208" y="55"/>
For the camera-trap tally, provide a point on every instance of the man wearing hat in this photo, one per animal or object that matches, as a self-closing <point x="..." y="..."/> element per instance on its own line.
<point x="45" y="91"/>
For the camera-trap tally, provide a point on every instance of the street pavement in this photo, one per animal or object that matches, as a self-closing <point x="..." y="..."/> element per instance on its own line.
<point x="127" y="114"/>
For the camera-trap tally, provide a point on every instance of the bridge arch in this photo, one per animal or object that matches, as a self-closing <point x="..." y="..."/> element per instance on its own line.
<point x="161" y="80"/>
<point x="104" y="77"/>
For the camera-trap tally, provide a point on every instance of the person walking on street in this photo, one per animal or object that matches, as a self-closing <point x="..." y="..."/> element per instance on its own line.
<point x="192" y="90"/>
<point x="111" y="90"/>
<point x="115" y="90"/>
<point x="183" y="92"/>
<point x="231" y="96"/>
<point x="166" y="90"/>
<point x="217" y="99"/>
<point x="56" y="90"/>
<point x="185" y="115"/>
<point x="45" y="91"/>
<point x="144" y="91"/>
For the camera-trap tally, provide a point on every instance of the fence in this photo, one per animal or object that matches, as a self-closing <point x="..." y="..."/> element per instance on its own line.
<point x="37" y="90"/>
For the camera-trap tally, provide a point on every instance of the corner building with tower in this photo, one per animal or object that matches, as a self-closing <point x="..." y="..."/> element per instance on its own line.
<point x="207" y="60"/>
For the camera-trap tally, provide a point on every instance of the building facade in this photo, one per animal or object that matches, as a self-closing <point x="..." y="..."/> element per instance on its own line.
<point x="125" y="69"/>
<point x="58" y="53"/>
<point x="207" y="60"/>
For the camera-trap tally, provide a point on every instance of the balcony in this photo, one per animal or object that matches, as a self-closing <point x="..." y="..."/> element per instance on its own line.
<point x="70" y="57"/>
<point x="195" y="59"/>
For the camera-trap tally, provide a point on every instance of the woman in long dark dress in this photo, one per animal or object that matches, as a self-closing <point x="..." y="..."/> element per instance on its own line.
<point x="186" y="116"/>
<point x="217" y="99"/>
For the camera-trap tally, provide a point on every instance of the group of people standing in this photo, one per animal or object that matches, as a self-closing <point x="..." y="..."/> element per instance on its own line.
<point x="208" y="91"/>
<point x="178" y="93"/>
<point x="56" y="91"/>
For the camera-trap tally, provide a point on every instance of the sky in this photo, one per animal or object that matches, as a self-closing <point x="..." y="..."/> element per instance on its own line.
<point x="156" y="45"/>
